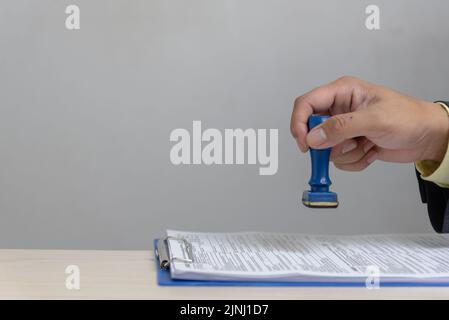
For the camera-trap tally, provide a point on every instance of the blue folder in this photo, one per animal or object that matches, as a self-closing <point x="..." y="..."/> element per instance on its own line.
<point x="164" y="279"/>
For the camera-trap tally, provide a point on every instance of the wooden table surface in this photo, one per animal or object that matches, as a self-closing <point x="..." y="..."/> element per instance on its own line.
<point x="40" y="274"/>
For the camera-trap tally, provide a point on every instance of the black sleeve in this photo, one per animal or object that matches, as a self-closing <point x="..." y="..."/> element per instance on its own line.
<point x="437" y="204"/>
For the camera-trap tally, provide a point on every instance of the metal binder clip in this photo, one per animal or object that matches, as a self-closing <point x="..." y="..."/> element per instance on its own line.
<point x="164" y="255"/>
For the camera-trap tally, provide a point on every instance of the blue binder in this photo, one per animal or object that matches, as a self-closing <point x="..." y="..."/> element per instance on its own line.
<point x="164" y="279"/>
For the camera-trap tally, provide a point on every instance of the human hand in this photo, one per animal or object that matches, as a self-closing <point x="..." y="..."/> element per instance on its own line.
<point x="370" y="122"/>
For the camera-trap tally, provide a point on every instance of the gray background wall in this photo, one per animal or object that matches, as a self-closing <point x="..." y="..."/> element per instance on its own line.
<point x="85" y="116"/>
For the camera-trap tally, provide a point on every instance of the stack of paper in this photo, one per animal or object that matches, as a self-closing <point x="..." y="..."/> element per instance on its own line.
<point x="296" y="257"/>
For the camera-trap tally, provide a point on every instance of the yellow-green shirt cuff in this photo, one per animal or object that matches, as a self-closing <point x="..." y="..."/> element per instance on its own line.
<point x="434" y="171"/>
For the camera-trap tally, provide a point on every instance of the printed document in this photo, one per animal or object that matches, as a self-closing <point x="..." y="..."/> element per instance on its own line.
<point x="255" y="256"/>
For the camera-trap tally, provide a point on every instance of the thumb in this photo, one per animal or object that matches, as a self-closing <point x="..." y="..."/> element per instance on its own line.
<point x="337" y="129"/>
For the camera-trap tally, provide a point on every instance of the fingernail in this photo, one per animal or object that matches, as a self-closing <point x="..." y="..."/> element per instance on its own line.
<point x="349" y="147"/>
<point x="317" y="137"/>
<point x="371" y="158"/>
<point x="368" y="146"/>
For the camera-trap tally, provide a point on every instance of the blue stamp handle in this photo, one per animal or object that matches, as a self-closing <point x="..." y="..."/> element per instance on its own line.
<point x="319" y="181"/>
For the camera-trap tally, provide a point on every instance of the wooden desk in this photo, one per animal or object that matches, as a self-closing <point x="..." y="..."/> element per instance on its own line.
<point x="40" y="274"/>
